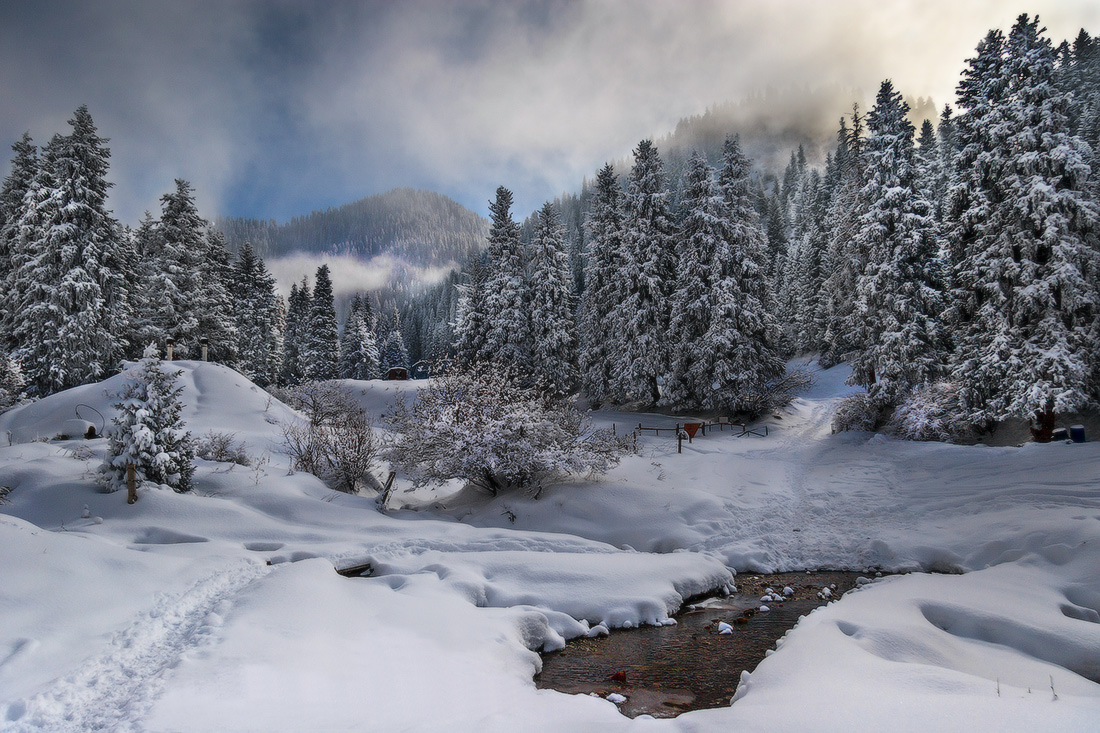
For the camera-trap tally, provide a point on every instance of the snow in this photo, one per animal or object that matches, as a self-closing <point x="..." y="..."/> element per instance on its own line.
<point x="219" y="609"/>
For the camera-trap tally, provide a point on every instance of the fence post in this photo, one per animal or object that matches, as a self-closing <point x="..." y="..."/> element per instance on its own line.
<point x="131" y="484"/>
<point x="679" y="442"/>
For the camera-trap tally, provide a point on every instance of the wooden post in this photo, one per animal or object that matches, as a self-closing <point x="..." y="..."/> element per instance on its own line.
<point x="612" y="429"/>
<point x="205" y="342"/>
<point x="131" y="484"/>
<point x="679" y="442"/>
<point x="170" y="343"/>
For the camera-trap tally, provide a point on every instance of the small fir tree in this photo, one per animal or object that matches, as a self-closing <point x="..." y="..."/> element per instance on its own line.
<point x="148" y="432"/>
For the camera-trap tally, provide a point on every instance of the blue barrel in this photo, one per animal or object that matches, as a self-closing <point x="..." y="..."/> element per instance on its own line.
<point x="1077" y="433"/>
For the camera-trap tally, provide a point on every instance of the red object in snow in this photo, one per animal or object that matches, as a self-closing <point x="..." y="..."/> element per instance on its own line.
<point x="692" y="428"/>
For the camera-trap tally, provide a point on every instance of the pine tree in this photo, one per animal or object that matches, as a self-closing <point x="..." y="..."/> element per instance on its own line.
<point x="900" y="294"/>
<point x="650" y="270"/>
<point x="740" y="348"/>
<point x="256" y="318"/>
<point x="70" y="297"/>
<point x="700" y="232"/>
<point x="148" y="432"/>
<point x="471" y="323"/>
<point x="321" y="353"/>
<point x="358" y="349"/>
<point x="392" y="352"/>
<point x="173" y="273"/>
<point x="13" y="192"/>
<point x="600" y="341"/>
<point x="294" y="335"/>
<point x="214" y="304"/>
<point x="508" y="338"/>
<point x="1027" y="248"/>
<point x="553" y="325"/>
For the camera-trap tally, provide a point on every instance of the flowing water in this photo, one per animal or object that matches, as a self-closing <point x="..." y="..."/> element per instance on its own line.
<point x="667" y="670"/>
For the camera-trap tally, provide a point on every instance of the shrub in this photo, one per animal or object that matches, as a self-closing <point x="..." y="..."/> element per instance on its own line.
<point x="482" y="427"/>
<point x="856" y="412"/>
<point x="777" y="393"/>
<point x="223" y="448"/>
<point x="337" y="444"/>
<point x="933" y="412"/>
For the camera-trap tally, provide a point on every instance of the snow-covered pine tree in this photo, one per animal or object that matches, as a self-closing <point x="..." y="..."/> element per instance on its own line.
<point x="741" y="346"/>
<point x="649" y="273"/>
<point x="508" y="338"/>
<point x="843" y="261"/>
<point x="321" y="353"/>
<point x="1029" y="346"/>
<point x="13" y="192"/>
<point x="256" y="317"/>
<point x="392" y="352"/>
<point x="148" y="432"/>
<point x="471" y="324"/>
<point x="701" y="229"/>
<point x="294" y="334"/>
<point x="71" y="298"/>
<point x="603" y="287"/>
<point x="173" y="270"/>
<point x="358" y="349"/>
<point x="900" y="295"/>
<point x="214" y="303"/>
<point x="553" y="324"/>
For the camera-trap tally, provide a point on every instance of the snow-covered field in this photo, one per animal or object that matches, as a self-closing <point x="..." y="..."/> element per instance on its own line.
<point x="220" y="610"/>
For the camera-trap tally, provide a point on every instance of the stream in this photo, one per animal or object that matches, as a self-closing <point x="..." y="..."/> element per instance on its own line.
<point x="667" y="670"/>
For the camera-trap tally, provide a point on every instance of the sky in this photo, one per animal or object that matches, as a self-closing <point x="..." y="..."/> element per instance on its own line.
<point x="274" y="109"/>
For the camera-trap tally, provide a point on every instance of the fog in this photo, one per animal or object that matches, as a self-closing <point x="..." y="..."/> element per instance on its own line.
<point x="273" y="109"/>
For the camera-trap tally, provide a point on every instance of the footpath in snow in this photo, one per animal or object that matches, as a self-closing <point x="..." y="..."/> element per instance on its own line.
<point x="220" y="610"/>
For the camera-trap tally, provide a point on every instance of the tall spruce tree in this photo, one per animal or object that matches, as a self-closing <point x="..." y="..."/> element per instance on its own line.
<point x="740" y="347"/>
<point x="294" y="334"/>
<point x="649" y="273"/>
<point x="13" y="193"/>
<point x="900" y="294"/>
<point x="1028" y="251"/>
<point x="256" y="316"/>
<point x="321" y="352"/>
<point x="358" y="349"/>
<point x="599" y="340"/>
<point x="553" y="324"/>
<point x="508" y="337"/>
<point x="71" y="298"/>
<point x="471" y="323"/>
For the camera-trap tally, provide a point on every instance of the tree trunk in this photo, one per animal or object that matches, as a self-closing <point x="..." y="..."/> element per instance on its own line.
<point x="1042" y="428"/>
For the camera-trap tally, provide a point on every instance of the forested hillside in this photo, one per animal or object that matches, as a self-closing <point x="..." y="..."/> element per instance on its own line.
<point x="421" y="227"/>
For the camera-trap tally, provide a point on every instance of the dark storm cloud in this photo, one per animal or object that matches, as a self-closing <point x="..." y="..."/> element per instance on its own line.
<point x="275" y="108"/>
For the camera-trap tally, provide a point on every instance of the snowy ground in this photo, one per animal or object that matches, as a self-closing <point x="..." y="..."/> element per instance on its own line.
<point x="220" y="610"/>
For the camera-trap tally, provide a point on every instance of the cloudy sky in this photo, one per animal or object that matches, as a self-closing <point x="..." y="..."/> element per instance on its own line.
<point x="272" y="109"/>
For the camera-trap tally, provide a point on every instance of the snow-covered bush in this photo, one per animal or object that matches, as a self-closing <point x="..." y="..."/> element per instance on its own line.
<point x="933" y="412"/>
<point x="148" y="432"/>
<point x="337" y="444"/>
<point x="856" y="412"/>
<point x="223" y="448"/>
<point x="482" y="427"/>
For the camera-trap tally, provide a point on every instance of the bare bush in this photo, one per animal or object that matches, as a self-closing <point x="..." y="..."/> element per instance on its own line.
<point x="482" y="427"/>
<point x="777" y="393"/>
<point x="337" y="444"/>
<point x="933" y="412"/>
<point x="856" y="412"/>
<point x="223" y="448"/>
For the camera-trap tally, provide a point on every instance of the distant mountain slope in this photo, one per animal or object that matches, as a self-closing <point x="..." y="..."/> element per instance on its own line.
<point x="421" y="228"/>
